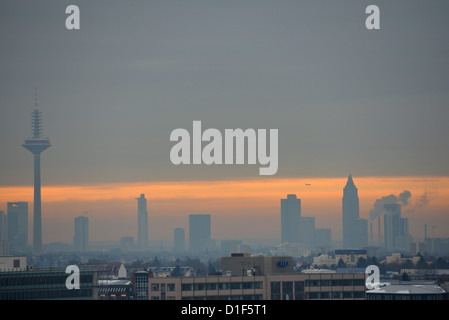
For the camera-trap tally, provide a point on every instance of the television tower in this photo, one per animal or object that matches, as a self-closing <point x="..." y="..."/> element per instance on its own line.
<point x="36" y="144"/>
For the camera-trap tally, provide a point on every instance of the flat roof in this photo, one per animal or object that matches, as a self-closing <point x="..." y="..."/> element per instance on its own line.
<point x="408" y="289"/>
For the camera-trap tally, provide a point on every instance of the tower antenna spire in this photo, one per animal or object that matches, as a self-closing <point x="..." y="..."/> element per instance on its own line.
<point x="35" y="97"/>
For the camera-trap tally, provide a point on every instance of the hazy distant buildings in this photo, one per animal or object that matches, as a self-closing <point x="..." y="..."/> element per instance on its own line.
<point x="179" y="239"/>
<point x="4" y="246"/>
<point x="306" y="232"/>
<point x="142" y="221"/>
<point x="81" y="236"/>
<point x="323" y="238"/>
<point x="299" y="230"/>
<point x="232" y="245"/>
<point x="396" y="233"/>
<point x="17" y="226"/>
<point x="199" y="232"/>
<point x="126" y="243"/>
<point x="355" y="230"/>
<point x="290" y="216"/>
<point x="3" y="226"/>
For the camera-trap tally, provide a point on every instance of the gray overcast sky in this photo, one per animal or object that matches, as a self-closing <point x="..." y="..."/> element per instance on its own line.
<point x="345" y="99"/>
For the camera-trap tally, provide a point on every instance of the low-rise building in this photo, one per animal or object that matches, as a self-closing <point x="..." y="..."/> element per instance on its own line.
<point x="293" y="286"/>
<point x="324" y="260"/>
<point x="115" y="289"/>
<point x="397" y="258"/>
<point x="407" y="291"/>
<point x="350" y="256"/>
<point x="240" y="264"/>
<point x="13" y="263"/>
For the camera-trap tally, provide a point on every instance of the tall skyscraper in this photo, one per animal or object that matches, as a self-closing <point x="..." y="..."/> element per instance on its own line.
<point x="355" y="230"/>
<point x="36" y="144"/>
<point x="179" y="239"/>
<point x="81" y="235"/>
<point x="4" y="246"/>
<point x="3" y="226"/>
<point x="142" y="220"/>
<point x="199" y="232"/>
<point x="290" y="219"/>
<point x="17" y="226"/>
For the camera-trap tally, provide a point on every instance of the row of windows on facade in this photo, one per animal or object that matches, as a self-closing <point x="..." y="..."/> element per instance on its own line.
<point x="113" y="297"/>
<point x="46" y="294"/>
<point x="13" y="280"/>
<point x="374" y="296"/>
<point x="284" y="296"/>
<point x="275" y="285"/>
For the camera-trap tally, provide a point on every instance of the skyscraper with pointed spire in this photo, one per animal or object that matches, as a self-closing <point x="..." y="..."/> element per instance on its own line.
<point x="355" y="230"/>
<point x="36" y="144"/>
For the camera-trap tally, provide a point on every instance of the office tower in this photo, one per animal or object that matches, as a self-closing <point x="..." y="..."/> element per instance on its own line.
<point x="396" y="233"/>
<point x="4" y="246"/>
<point x="3" y="226"/>
<point x="179" y="239"/>
<point x="306" y="232"/>
<point x="142" y="220"/>
<point x="323" y="238"/>
<point x="290" y="218"/>
<point x="17" y="226"/>
<point x="81" y="236"/>
<point x="36" y="144"/>
<point x="355" y="230"/>
<point x="350" y="214"/>
<point x="199" y="232"/>
<point x="361" y="232"/>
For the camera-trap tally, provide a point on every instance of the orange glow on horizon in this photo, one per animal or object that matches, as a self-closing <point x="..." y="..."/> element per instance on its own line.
<point x="239" y="191"/>
<point x="247" y="202"/>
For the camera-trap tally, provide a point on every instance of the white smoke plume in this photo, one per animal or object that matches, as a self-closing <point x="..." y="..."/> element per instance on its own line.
<point x="403" y="199"/>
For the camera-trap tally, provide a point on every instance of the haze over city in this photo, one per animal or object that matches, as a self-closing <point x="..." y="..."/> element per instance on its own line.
<point x="345" y="101"/>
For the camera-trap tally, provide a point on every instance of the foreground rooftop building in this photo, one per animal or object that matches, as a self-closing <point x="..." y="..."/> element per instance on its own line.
<point x="46" y="284"/>
<point x="294" y="286"/>
<point x="259" y="278"/>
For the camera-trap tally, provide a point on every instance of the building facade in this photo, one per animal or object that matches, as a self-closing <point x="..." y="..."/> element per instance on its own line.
<point x="141" y="281"/>
<point x="115" y="290"/>
<point x="17" y="226"/>
<point x="46" y="284"/>
<point x="293" y="286"/>
<point x="350" y="256"/>
<point x="242" y="264"/>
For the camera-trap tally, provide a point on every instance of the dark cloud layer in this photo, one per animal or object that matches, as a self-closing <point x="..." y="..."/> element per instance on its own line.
<point x="344" y="99"/>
